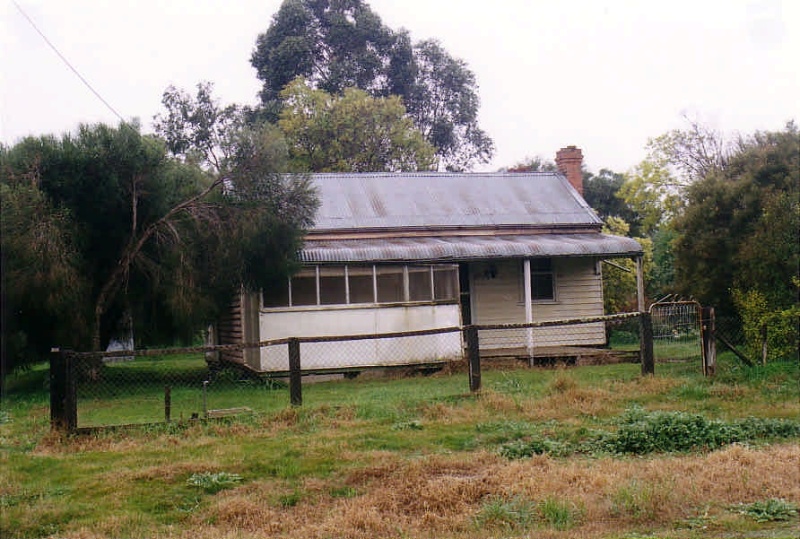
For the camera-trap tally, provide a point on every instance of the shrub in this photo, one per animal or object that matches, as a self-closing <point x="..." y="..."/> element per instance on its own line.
<point x="781" y="325"/>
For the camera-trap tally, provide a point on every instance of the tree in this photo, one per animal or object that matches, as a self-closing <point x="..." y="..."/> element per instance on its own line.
<point x="340" y="44"/>
<point x="354" y="132"/>
<point x="443" y="100"/>
<point x="142" y="232"/>
<point x="42" y="286"/>
<point x="532" y="164"/>
<point x="657" y="187"/>
<point x="602" y="192"/>
<point x="740" y="226"/>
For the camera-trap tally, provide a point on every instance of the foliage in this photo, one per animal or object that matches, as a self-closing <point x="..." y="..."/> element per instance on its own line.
<point x="211" y="482"/>
<point x="619" y="285"/>
<point x="602" y="192"/>
<point x="651" y="191"/>
<point x="343" y="44"/>
<point x="533" y="164"/>
<point x="741" y="224"/>
<point x="42" y="287"/>
<point x="350" y="133"/>
<point x="771" y="510"/>
<point x="779" y="326"/>
<point x="443" y="101"/>
<point x="122" y="231"/>
<point x="640" y="433"/>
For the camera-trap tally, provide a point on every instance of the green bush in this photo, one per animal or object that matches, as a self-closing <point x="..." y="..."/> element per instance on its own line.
<point x="781" y="325"/>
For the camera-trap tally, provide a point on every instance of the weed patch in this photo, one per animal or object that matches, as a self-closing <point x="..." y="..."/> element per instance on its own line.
<point x="772" y="510"/>
<point x="211" y="483"/>
<point x="640" y="433"/>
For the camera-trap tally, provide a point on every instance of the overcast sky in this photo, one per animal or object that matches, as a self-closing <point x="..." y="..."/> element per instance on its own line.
<point x="602" y="75"/>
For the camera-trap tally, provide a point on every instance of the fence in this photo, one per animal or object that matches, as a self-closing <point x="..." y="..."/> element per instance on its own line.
<point x="92" y="390"/>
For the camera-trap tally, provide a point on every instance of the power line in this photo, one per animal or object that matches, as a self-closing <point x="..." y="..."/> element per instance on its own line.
<point x="117" y="114"/>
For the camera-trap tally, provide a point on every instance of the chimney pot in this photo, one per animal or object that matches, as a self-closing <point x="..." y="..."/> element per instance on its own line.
<point x="569" y="161"/>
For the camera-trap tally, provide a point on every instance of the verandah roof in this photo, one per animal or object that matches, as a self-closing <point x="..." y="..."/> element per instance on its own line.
<point x="461" y="248"/>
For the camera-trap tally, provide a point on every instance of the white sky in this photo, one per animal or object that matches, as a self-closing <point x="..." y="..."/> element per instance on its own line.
<point x="603" y="75"/>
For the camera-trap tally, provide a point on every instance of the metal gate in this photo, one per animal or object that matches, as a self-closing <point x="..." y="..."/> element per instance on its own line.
<point x="677" y="329"/>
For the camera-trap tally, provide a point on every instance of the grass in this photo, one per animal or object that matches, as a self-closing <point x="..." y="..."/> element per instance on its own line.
<point x="414" y="456"/>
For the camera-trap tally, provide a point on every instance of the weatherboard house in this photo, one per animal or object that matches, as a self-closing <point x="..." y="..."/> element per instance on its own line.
<point x="393" y="252"/>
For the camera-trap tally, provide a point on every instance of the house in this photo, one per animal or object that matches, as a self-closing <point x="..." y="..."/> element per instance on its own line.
<point x="394" y="252"/>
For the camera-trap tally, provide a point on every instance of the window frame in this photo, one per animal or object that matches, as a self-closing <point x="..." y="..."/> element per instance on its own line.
<point x="400" y="269"/>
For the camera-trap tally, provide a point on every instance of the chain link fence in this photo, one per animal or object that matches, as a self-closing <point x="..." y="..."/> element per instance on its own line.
<point x="94" y="390"/>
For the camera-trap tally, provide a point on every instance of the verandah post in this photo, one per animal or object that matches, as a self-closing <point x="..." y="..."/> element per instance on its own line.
<point x="473" y="357"/>
<point x="295" y="376"/>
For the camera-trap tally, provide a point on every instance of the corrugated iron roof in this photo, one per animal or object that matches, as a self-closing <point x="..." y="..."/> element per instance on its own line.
<point x="453" y="248"/>
<point x="433" y="200"/>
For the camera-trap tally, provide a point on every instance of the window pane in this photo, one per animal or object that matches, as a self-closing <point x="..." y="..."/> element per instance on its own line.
<point x="419" y="283"/>
<point x="276" y="296"/>
<point x="542" y="281"/>
<point x="331" y="285"/>
<point x="542" y="286"/>
<point x="361" y="290"/>
<point x="445" y="282"/>
<point x="304" y="288"/>
<point x="390" y="284"/>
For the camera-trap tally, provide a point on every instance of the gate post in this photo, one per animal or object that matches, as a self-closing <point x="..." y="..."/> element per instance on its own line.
<point x="63" y="392"/>
<point x="646" y="343"/>
<point x="708" y="326"/>
<point x="295" y="376"/>
<point x="473" y="357"/>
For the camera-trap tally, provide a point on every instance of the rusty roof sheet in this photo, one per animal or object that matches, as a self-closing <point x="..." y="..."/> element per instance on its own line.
<point x="442" y="200"/>
<point x="459" y="248"/>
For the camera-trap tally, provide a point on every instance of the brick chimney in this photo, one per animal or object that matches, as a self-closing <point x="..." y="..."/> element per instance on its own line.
<point x="569" y="161"/>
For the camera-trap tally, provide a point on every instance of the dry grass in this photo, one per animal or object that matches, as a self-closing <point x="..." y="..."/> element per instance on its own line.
<point x="439" y="495"/>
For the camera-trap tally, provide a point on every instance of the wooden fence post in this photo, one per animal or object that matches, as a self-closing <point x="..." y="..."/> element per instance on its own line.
<point x="295" y="375"/>
<point x="473" y="357"/>
<point x="167" y="404"/>
<point x="708" y="325"/>
<point x="764" y="344"/>
<point x="63" y="392"/>
<point x="646" y="343"/>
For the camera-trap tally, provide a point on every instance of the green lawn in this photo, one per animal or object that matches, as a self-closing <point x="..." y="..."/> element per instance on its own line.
<point x="559" y="452"/>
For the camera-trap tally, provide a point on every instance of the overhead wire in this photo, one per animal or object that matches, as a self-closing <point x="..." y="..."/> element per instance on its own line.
<point x="67" y="62"/>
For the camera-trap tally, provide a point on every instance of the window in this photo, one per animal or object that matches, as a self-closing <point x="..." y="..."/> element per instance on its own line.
<point x="304" y="287"/>
<point x="542" y="279"/>
<point x="365" y="284"/>
<point x="419" y="283"/>
<point x="362" y="289"/>
<point x="445" y="282"/>
<point x="390" y="284"/>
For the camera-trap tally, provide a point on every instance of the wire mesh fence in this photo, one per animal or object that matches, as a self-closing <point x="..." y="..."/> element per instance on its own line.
<point x="153" y="386"/>
<point x="677" y="330"/>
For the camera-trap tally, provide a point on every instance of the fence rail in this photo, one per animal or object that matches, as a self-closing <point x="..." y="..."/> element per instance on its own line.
<point x="180" y="384"/>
